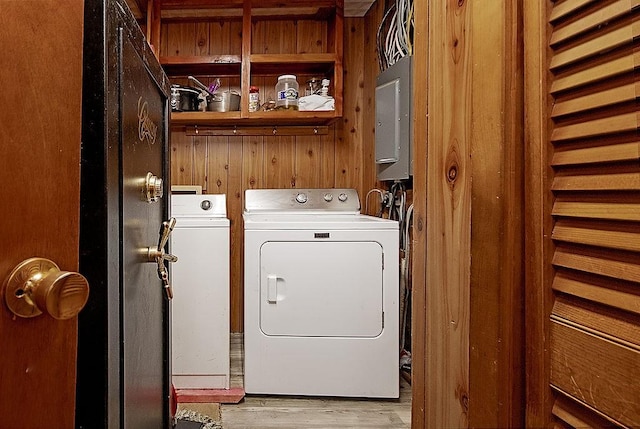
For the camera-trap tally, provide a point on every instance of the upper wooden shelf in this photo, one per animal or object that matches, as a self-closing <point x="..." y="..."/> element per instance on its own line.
<point x="272" y="64"/>
<point x="220" y="65"/>
<point x="227" y="51"/>
<point x="230" y="9"/>
<point x="263" y="64"/>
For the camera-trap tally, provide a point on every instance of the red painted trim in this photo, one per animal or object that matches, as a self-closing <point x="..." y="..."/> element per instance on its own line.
<point x="223" y="396"/>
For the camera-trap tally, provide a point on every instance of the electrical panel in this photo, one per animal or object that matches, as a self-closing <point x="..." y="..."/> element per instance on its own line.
<point x="394" y="127"/>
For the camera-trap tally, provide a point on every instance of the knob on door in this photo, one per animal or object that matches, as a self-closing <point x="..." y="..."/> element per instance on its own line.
<point x="37" y="285"/>
<point x="152" y="188"/>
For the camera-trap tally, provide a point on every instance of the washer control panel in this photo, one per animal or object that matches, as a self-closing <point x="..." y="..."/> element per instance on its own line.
<point x="209" y="205"/>
<point x="317" y="200"/>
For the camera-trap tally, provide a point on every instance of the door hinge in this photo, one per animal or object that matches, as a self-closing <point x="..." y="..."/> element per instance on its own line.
<point x="383" y="320"/>
<point x="382" y="261"/>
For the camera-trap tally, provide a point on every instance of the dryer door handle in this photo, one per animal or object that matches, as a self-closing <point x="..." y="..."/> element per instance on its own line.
<point x="272" y="288"/>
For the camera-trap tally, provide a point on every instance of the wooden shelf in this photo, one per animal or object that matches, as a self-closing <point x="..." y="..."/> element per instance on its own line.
<point x="275" y="64"/>
<point x="261" y="64"/>
<point x="217" y="65"/>
<point x="273" y="118"/>
<point x="243" y="67"/>
<point x="230" y="9"/>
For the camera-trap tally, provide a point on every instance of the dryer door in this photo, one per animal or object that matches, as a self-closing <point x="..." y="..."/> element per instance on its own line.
<point x="321" y="289"/>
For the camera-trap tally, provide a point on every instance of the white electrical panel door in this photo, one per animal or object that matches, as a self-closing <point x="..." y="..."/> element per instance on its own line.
<point x="388" y="122"/>
<point x="321" y="289"/>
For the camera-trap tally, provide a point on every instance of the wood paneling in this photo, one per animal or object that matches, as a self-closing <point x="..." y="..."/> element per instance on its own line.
<point x="469" y="196"/>
<point x="368" y="104"/>
<point x="448" y="193"/>
<point x="200" y="152"/>
<point x="235" y="199"/>
<point x="217" y="166"/>
<point x="182" y="160"/>
<point x="279" y="154"/>
<point x="470" y="205"/>
<point x="349" y="147"/>
<point x="496" y="294"/>
<point x="419" y="325"/>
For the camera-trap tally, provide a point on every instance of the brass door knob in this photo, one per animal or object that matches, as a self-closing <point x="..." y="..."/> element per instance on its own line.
<point x="37" y="285"/>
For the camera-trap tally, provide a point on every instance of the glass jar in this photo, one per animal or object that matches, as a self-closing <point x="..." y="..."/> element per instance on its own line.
<point x="287" y="92"/>
<point x="254" y="98"/>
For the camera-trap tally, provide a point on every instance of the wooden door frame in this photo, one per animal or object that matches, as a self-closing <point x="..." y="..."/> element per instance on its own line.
<point x="468" y="293"/>
<point x="538" y="298"/>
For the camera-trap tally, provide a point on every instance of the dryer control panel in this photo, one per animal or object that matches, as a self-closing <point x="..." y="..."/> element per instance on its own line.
<point x="328" y="200"/>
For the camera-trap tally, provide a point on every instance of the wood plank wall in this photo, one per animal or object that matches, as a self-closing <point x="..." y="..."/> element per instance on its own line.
<point x="230" y="165"/>
<point x="468" y="194"/>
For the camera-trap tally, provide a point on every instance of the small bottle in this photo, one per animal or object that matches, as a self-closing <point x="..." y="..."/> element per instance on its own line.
<point x="254" y="98"/>
<point x="287" y="92"/>
<point x="325" y="88"/>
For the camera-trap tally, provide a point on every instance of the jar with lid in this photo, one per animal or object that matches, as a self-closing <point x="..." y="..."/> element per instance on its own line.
<point x="254" y="98"/>
<point x="287" y="92"/>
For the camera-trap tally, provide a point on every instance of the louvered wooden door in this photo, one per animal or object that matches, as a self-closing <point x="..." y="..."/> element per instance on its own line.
<point x="585" y="331"/>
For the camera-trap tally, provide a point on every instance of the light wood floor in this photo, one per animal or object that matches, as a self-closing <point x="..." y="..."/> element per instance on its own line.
<point x="264" y="412"/>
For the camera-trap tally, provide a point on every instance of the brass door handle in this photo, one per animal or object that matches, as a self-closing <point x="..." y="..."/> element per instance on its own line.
<point x="37" y="285"/>
<point x="158" y="255"/>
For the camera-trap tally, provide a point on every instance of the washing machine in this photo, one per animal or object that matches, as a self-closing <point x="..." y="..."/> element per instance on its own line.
<point x="321" y="295"/>
<point x="200" y="304"/>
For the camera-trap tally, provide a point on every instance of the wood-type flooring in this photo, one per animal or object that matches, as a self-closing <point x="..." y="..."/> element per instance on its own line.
<point x="287" y="412"/>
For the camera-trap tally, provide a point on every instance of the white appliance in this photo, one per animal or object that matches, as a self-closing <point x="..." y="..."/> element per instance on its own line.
<point x="321" y="295"/>
<point x="200" y="280"/>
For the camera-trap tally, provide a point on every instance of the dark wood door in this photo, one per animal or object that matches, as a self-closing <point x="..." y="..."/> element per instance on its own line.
<point x="40" y="126"/>
<point x="123" y="373"/>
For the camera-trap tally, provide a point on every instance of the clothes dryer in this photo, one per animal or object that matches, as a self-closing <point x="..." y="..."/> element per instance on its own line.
<point x="321" y="295"/>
